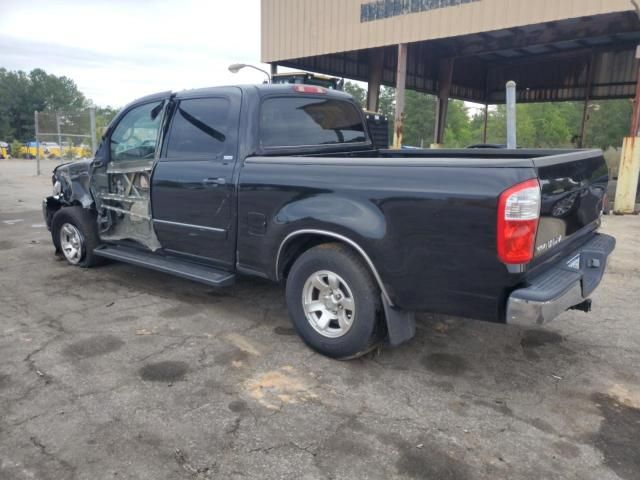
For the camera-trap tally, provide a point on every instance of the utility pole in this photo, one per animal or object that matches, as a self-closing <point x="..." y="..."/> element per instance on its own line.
<point x="35" y="121"/>
<point x="92" y="122"/>
<point x="59" y="133"/>
<point x="511" y="116"/>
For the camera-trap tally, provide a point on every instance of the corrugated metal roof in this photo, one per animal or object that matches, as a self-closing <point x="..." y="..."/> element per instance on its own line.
<point x="305" y="28"/>
<point x="550" y="62"/>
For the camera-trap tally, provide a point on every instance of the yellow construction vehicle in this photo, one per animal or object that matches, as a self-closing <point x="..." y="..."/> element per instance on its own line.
<point x="5" y="150"/>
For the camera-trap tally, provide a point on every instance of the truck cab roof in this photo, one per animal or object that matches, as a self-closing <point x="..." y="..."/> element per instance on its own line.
<point x="261" y="89"/>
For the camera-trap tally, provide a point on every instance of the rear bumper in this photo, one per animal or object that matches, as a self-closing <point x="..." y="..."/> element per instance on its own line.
<point x="564" y="286"/>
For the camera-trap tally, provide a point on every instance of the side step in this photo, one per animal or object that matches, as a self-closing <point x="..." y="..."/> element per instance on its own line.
<point x="174" y="266"/>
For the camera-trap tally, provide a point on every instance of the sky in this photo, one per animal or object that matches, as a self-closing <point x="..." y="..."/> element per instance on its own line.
<point x="119" y="50"/>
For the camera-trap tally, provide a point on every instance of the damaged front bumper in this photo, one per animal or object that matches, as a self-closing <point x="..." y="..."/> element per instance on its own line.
<point x="50" y="206"/>
<point x="563" y="287"/>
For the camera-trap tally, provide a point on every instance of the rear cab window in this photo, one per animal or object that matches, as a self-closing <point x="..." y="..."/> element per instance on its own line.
<point x="309" y="121"/>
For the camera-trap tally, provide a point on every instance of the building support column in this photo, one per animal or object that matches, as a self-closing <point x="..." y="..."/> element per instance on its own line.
<point x="587" y="99"/>
<point x="274" y="69"/>
<point x="37" y="131"/>
<point x="445" y="77"/>
<point x="376" y="68"/>
<point x="635" y="120"/>
<point x="401" y="82"/>
<point x="486" y="123"/>
<point x="629" y="171"/>
<point x="485" y="130"/>
<point x="628" y="174"/>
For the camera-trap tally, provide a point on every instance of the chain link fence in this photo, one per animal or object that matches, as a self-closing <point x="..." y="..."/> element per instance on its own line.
<point x="63" y="136"/>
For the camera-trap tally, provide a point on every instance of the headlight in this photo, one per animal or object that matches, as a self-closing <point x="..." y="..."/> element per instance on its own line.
<point x="57" y="188"/>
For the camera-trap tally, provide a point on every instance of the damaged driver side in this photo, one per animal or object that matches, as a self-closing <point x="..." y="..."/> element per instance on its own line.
<point x="121" y="185"/>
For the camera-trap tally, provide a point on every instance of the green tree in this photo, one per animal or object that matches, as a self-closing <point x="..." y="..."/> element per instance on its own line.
<point x="557" y="125"/>
<point x="386" y="106"/>
<point x="539" y="125"/>
<point x="387" y="101"/>
<point x="104" y="115"/>
<point x="14" y="105"/>
<point x="419" y="119"/>
<point x="458" y="132"/>
<point x="608" y="122"/>
<point x="358" y="93"/>
<point x="21" y="94"/>
<point x="16" y="149"/>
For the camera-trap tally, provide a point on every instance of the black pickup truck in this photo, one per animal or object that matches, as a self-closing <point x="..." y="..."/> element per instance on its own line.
<point x="284" y="182"/>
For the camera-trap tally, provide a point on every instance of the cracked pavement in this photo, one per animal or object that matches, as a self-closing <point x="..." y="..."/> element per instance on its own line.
<point x="120" y="372"/>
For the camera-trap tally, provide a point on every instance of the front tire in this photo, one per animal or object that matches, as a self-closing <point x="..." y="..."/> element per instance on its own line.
<point x="334" y="302"/>
<point x="75" y="236"/>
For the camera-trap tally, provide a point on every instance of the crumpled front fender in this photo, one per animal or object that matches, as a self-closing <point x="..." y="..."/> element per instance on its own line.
<point x="50" y="206"/>
<point x="74" y="179"/>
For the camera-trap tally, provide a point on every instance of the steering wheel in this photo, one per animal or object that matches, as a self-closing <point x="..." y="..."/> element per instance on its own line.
<point x="128" y="136"/>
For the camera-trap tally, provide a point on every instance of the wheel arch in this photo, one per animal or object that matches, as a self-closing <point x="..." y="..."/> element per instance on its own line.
<point x="52" y="205"/>
<point x="299" y="241"/>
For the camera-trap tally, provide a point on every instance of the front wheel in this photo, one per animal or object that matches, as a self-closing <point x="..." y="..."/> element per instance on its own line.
<point x="75" y="235"/>
<point x="334" y="302"/>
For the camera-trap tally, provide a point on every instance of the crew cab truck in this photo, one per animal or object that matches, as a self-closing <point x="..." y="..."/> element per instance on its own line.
<point x="282" y="182"/>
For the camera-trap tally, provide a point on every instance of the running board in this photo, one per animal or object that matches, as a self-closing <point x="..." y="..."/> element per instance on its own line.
<point x="174" y="266"/>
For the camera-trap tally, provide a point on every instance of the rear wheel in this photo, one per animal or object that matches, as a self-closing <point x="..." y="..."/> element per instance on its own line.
<point x="75" y="236"/>
<point x="334" y="302"/>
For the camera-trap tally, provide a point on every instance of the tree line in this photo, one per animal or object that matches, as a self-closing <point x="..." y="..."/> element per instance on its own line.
<point x="539" y="125"/>
<point x="22" y="93"/>
<point x="542" y="125"/>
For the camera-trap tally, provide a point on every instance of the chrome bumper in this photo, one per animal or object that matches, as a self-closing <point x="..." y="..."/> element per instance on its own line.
<point x="562" y="287"/>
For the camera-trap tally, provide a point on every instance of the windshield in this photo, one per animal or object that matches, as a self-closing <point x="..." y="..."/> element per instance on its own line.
<point x="304" y="121"/>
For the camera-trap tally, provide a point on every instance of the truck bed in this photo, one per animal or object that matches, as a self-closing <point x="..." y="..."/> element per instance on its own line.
<point x="426" y="216"/>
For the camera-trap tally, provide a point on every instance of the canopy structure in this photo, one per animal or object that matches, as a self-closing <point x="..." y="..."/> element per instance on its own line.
<point x="555" y="50"/>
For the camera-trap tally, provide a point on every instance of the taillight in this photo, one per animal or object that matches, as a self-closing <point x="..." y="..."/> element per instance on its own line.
<point x="518" y="216"/>
<point x="309" y="89"/>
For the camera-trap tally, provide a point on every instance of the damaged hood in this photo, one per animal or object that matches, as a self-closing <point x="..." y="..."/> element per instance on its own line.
<point x="74" y="182"/>
<point x="74" y="168"/>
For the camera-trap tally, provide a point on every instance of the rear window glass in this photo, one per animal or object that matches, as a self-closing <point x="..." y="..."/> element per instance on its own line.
<point x="301" y="121"/>
<point x="199" y="128"/>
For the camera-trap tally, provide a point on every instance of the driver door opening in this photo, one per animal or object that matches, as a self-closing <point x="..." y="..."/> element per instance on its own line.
<point x="122" y="192"/>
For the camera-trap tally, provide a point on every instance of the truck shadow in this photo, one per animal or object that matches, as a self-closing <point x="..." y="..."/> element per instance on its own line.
<point x="445" y="346"/>
<point x="460" y="372"/>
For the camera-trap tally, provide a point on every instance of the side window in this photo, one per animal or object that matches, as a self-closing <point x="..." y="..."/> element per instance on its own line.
<point x="136" y="135"/>
<point x="199" y="129"/>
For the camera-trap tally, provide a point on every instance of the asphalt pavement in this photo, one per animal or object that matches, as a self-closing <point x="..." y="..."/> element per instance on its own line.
<point x="120" y="372"/>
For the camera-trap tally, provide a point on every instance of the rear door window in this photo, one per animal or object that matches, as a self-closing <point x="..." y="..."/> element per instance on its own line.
<point x="199" y="129"/>
<point x="304" y="121"/>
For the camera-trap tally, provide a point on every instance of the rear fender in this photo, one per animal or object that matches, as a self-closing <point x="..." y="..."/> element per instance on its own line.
<point x="337" y="217"/>
<point x="346" y="215"/>
<point x="344" y="219"/>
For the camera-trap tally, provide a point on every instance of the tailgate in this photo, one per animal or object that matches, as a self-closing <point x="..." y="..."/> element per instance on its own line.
<point x="573" y="187"/>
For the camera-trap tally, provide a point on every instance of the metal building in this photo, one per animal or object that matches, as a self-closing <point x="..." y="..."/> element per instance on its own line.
<point x="465" y="49"/>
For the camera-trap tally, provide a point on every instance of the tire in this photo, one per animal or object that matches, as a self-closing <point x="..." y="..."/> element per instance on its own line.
<point x="316" y="273"/>
<point x="72" y="221"/>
